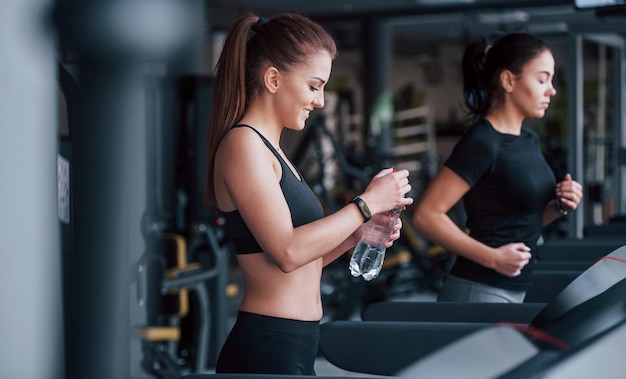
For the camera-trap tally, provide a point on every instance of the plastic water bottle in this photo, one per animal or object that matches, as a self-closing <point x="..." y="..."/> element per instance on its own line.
<point x="369" y="254"/>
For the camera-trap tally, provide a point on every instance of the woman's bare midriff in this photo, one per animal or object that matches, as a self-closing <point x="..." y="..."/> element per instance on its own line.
<point x="271" y="292"/>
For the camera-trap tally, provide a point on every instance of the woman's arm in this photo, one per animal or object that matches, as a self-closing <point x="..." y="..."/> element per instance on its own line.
<point x="552" y="212"/>
<point x="251" y="173"/>
<point x="431" y="219"/>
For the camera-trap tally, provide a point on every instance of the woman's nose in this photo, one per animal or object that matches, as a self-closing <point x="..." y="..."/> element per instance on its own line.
<point x="318" y="101"/>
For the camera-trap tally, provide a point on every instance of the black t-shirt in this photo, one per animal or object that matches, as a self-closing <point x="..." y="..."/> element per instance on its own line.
<point x="511" y="184"/>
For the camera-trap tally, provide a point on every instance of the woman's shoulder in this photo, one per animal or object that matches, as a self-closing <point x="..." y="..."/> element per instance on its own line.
<point x="529" y="131"/>
<point x="480" y="140"/>
<point x="240" y="135"/>
<point x="241" y="144"/>
<point x="480" y="126"/>
<point x="480" y="133"/>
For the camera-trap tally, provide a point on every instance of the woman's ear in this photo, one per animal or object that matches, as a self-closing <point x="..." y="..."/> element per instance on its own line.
<point x="271" y="78"/>
<point x="507" y="81"/>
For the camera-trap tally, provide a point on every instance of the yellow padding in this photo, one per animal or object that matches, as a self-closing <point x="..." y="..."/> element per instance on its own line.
<point x="181" y="248"/>
<point x="435" y="250"/>
<point x="232" y="290"/>
<point x="158" y="333"/>
<point x="396" y="259"/>
<point x="181" y="265"/>
<point x="183" y="301"/>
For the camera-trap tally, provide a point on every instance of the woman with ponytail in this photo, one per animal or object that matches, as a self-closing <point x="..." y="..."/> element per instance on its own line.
<point x="497" y="169"/>
<point x="270" y="76"/>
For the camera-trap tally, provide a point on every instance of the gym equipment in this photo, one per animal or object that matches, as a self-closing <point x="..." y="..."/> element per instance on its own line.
<point x="181" y="277"/>
<point x="586" y="249"/>
<point x="451" y="312"/>
<point x="586" y="309"/>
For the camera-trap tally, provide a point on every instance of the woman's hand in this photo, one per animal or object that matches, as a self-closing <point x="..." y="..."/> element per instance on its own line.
<point x="511" y="258"/>
<point x="395" y="234"/>
<point x="569" y="193"/>
<point x="387" y="190"/>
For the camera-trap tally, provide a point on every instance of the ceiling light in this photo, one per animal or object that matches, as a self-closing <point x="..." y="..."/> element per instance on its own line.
<point x="503" y="17"/>
<point x="556" y="27"/>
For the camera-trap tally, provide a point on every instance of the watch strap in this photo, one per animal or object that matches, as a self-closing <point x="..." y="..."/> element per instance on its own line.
<point x="363" y="208"/>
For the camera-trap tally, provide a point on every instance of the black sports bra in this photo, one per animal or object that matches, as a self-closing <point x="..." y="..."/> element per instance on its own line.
<point x="304" y="205"/>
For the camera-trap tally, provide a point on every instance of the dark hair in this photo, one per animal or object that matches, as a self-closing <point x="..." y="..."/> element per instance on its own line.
<point x="483" y="64"/>
<point x="252" y="44"/>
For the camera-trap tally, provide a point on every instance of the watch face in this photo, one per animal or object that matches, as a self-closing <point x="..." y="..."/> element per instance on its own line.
<point x="365" y="211"/>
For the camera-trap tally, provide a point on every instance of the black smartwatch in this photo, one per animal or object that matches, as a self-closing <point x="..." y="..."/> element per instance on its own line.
<point x="365" y="211"/>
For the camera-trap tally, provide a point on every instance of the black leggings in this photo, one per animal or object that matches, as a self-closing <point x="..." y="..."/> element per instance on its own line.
<point x="270" y="345"/>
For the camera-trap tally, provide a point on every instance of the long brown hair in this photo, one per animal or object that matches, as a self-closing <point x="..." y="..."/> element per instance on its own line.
<point x="252" y="44"/>
<point x="483" y="64"/>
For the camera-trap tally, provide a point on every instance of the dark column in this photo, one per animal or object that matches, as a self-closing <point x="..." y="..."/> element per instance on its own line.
<point x="378" y="108"/>
<point x="113" y="41"/>
<point x="575" y="220"/>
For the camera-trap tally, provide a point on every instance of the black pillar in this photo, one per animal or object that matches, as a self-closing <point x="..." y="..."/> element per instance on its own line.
<point x="377" y="56"/>
<point x="115" y="42"/>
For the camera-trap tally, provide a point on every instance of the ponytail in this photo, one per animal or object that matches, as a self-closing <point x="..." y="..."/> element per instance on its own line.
<point x="483" y="64"/>
<point x="476" y="94"/>
<point x="228" y="102"/>
<point x="253" y="44"/>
